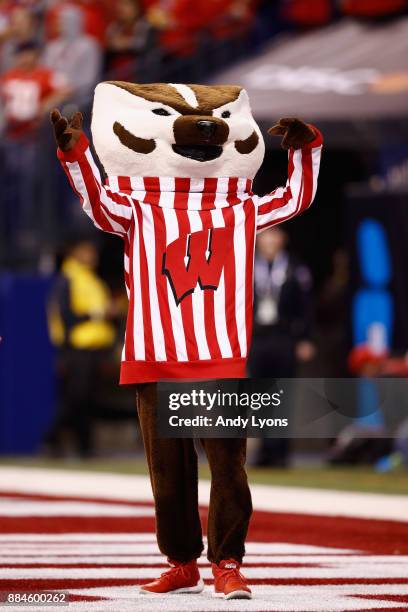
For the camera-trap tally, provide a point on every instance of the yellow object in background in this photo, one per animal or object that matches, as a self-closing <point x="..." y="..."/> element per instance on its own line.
<point x="89" y="296"/>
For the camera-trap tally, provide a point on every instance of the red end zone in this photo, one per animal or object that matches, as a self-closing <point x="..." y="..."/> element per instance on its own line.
<point x="99" y="550"/>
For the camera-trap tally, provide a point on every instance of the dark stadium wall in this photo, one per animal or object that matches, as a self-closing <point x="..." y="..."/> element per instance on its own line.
<point x="27" y="387"/>
<point x="321" y="230"/>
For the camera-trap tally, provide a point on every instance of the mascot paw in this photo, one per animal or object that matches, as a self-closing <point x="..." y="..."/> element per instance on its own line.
<point x="67" y="132"/>
<point x="295" y="132"/>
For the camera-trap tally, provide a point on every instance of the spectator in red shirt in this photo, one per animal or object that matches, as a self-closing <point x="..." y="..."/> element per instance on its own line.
<point x="95" y="15"/>
<point x="229" y="18"/>
<point x="28" y="91"/>
<point x="178" y="24"/>
<point x="373" y="8"/>
<point x="181" y="27"/>
<point x="128" y="38"/>
<point x="306" y="14"/>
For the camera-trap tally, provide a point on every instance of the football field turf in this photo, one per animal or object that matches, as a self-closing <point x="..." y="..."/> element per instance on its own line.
<point x="310" y="548"/>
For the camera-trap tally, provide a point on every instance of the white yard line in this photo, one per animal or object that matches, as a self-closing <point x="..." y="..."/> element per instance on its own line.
<point x="22" y="507"/>
<point x="24" y="558"/>
<point x="123" y="487"/>
<point x="347" y="570"/>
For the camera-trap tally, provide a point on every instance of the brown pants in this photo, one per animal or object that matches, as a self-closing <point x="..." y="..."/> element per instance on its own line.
<point x="174" y="478"/>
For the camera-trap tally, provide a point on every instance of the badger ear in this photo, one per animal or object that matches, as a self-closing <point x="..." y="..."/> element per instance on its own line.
<point x="106" y="89"/>
<point x="243" y="98"/>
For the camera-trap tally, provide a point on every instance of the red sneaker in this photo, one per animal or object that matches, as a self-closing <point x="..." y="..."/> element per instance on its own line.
<point x="229" y="582"/>
<point x="180" y="578"/>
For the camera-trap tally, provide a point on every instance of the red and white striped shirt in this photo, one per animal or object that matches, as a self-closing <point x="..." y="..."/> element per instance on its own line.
<point x="189" y="251"/>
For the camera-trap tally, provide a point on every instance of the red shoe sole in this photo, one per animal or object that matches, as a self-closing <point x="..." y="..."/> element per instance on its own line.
<point x="234" y="595"/>
<point x="194" y="589"/>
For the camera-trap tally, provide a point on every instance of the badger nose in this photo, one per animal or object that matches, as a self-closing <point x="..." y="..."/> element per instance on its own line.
<point x="207" y="128"/>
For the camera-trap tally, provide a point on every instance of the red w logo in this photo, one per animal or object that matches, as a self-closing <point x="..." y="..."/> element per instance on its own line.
<point x="197" y="258"/>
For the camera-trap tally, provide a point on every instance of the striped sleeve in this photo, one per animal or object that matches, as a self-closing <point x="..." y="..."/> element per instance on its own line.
<point x="299" y="191"/>
<point x="110" y="212"/>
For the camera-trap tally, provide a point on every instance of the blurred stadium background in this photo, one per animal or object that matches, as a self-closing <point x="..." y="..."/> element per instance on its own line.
<point x="341" y="64"/>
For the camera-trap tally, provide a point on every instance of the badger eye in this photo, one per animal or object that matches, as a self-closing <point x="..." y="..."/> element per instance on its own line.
<point x="225" y="114"/>
<point x="161" y="111"/>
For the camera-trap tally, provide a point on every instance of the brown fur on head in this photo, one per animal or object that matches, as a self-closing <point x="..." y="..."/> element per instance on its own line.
<point x="208" y="98"/>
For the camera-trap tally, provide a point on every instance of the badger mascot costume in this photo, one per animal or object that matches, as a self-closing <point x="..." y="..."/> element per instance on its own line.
<point x="179" y="162"/>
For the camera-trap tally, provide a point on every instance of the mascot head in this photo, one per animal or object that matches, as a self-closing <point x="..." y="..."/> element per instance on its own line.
<point x="163" y="129"/>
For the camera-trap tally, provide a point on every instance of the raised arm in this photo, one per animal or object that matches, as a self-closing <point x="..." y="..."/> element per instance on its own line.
<point x="304" y="144"/>
<point x="110" y="212"/>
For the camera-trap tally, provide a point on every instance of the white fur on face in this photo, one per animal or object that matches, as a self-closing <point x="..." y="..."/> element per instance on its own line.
<point x="114" y="104"/>
<point x="187" y="93"/>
